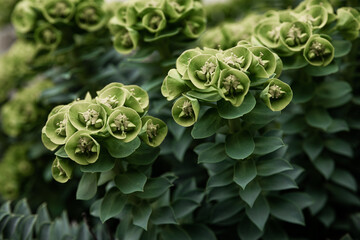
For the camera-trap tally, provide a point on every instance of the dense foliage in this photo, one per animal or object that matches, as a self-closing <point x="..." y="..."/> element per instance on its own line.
<point x="169" y="120"/>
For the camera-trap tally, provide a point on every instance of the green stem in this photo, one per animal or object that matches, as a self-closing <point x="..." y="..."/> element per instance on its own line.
<point x="234" y="125"/>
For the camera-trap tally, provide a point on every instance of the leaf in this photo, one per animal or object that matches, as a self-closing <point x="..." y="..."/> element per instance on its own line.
<point x="163" y="215"/>
<point x="183" y="207"/>
<point x="344" y="178"/>
<point x="141" y="215"/>
<point x="259" y="213"/>
<point x="250" y="193"/>
<point x="313" y="146"/>
<point x="325" y="165"/>
<point x="228" y="111"/>
<point x="43" y="217"/>
<point x="327" y="216"/>
<point x="25" y="228"/>
<point x="247" y="230"/>
<point x="119" y="149"/>
<point x="339" y="146"/>
<point x="268" y="167"/>
<point x="224" y="210"/>
<point x="87" y="186"/>
<point x="103" y="164"/>
<point x="301" y="199"/>
<point x="303" y="91"/>
<point x="221" y="179"/>
<point x="260" y="115"/>
<point x="317" y="71"/>
<point x="333" y="89"/>
<point x="174" y="233"/>
<point x="207" y="125"/>
<point x="154" y="188"/>
<point x="319" y="197"/>
<point x="213" y="154"/>
<point x="343" y="196"/>
<point x="265" y="145"/>
<point x="338" y="125"/>
<point x="244" y="172"/>
<point x="318" y="118"/>
<point x="199" y="232"/>
<point x="61" y="153"/>
<point x="342" y="48"/>
<point x="112" y="204"/>
<point x="211" y="96"/>
<point x="277" y="182"/>
<point x="22" y="208"/>
<point x="285" y="210"/>
<point x="239" y="145"/>
<point x="143" y="155"/>
<point x="130" y="182"/>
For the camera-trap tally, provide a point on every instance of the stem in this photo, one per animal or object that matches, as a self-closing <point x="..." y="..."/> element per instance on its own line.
<point x="234" y="125"/>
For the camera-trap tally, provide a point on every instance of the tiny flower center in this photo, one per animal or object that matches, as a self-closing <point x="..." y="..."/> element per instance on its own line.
<point x="61" y="128"/>
<point x="85" y="145"/>
<point x="151" y="130"/>
<point x="121" y="123"/>
<point x="109" y="101"/>
<point x="91" y="118"/>
<point x="178" y="8"/>
<point x="295" y="36"/>
<point x="207" y="71"/>
<point x="275" y="91"/>
<point x="126" y="40"/>
<point x="61" y="170"/>
<point x="89" y="15"/>
<point x="231" y="85"/>
<point x="155" y="22"/>
<point x="60" y="10"/>
<point x="261" y="61"/>
<point x="48" y="36"/>
<point x="274" y="34"/>
<point x="186" y="109"/>
<point x="235" y="61"/>
<point x="317" y="49"/>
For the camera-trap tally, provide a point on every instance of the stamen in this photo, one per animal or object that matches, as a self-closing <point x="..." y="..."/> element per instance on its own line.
<point x="275" y="91"/>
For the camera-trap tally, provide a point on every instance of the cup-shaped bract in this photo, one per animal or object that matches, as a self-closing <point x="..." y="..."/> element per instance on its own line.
<point x="62" y="169"/>
<point x="263" y="62"/>
<point x="173" y="85"/>
<point x="47" y="36"/>
<point x="295" y="35"/>
<point x="348" y="22"/>
<point x="176" y="9"/>
<point x="238" y="57"/>
<point x="55" y="128"/>
<point x="154" y="20"/>
<point x="154" y="131"/>
<point x="110" y="85"/>
<point x="195" y="22"/>
<point x="204" y="71"/>
<point x="214" y="38"/>
<point x="268" y="33"/>
<point x="58" y="10"/>
<point x="142" y="6"/>
<point x="233" y="85"/>
<point x="121" y="13"/>
<point x="90" y="16"/>
<point x="47" y="142"/>
<point x="276" y="95"/>
<point x="318" y="51"/>
<point x="137" y="98"/>
<point x="182" y="62"/>
<point x="84" y="115"/>
<point x="126" y="40"/>
<point x="82" y="148"/>
<point x="24" y="17"/>
<point x="111" y="98"/>
<point x="316" y="16"/>
<point x="185" y="111"/>
<point x="124" y="124"/>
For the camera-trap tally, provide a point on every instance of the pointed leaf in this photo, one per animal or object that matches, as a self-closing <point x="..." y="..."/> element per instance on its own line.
<point x="244" y="172"/>
<point x="239" y="145"/>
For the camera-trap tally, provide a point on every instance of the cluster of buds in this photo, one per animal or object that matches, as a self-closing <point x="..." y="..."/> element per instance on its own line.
<point x="304" y="31"/>
<point x="141" y="21"/>
<point x="116" y="113"/>
<point x="212" y="75"/>
<point x="52" y="22"/>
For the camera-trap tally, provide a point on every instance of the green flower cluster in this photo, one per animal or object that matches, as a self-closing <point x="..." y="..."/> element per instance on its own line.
<point x="14" y="166"/>
<point x="14" y="66"/>
<point x="228" y="34"/>
<point x="117" y="114"/>
<point x="212" y="75"/>
<point x="305" y="31"/>
<point x="5" y="11"/>
<point x="52" y="22"/>
<point x="142" y="21"/>
<point x="23" y="112"/>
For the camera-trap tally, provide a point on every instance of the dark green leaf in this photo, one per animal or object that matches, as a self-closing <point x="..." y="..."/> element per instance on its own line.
<point x="221" y="179"/>
<point x="154" y="188"/>
<point x="250" y="193"/>
<point x="313" y="146"/>
<point x="277" y="182"/>
<point x="163" y="215"/>
<point x="61" y="153"/>
<point x="260" y="115"/>
<point x="259" y="213"/>
<point x="301" y="199"/>
<point x="174" y="233"/>
<point x="112" y="204"/>
<point x="285" y="210"/>
<point x="119" y="149"/>
<point x="141" y="215"/>
<point x="318" y="118"/>
<point x="322" y="71"/>
<point x="211" y="96"/>
<point x="228" y="111"/>
<point x="344" y="178"/>
<point x="244" y="172"/>
<point x="268" y="167"/>
<point x="199" y="232"/>
<point x="130" y="182"/>
<point x="265" y="145"/>
<point x="213" y="154"/>
<point x="87" y="186"/>
<point x="183" y="207"/>
<point x="247" y="230"/>
<point x="226" y="209"/>
<point x="339" y="146"/>
<point x="342" y="48"/>
<point x="333" y="89"/>
<point x="338" y="125"/>
<point x="103" y="164"/>
<point x="207" y="125"/>
<point x="143" y="155"/>
<point x="327" y="216"/>
<point x="325" y="165"/>
<point x="239" y="145"/>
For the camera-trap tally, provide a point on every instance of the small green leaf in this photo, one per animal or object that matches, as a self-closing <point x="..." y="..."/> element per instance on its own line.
<point x="144" y="155"/>
<point x="199" y="232"/>
<point x="317" y="71"/>
<point x="247" y="230"/>
<point x="184" y="207"/>
<point x="285" y="210"/>
<point x="259" y="213"/>
<point x="130" y="182"/>
<point x="213" y="154"/>
<point x="163" y="215"/>
<point x="228" y="111"/>
<point x="342" y="48"/>
<point x="268" y="167"/>
<point x="87" y="186"/>
<point x="265" y="145"/>
<point x="250" y="193"/>
<point x="141" y="215"/>
<point x="325" y="165"/>
<point x="22" y="208"/>
<point x="154" y="188"/>
<point x="226" y="209"/>
<point x="333" y="89"/>
<point x="207" y="96"/>
<point x="120" y="149"/>
<point x="174" y="233"/>
<point x="301" y="199"/>
<point x="318" y="118"/>
<point x="338" y="125"/>
<point x="244" y="172"/>
<point x="207" y="125"/>
<point x="112" y="204"/>
<point x="313" y="146"/>
<point x="260" y="115"/>
<point x="103" y="164"/>
<point x="327" y="216"/>
<point x="339" y="146"/>
<point x="277" y="182"/>
<point x="344" y="178"/>
<point x="222" y="179"/>
<point x="61" y="153"/>
<point x="239" y="145"/>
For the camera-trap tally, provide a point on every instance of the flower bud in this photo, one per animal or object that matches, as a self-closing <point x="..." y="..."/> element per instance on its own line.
<point x="126" y="40"/>
<point x="154" y="131"/>
<point x="58" y="11"/>
<point x="62" y="169"/>
<point x="24" y="17"/>
<point x="137" y="98"/>
<point x="315" y="16"/>
<point x="276" y="95"/>
<point x="47" y="37"/>
<point x="111" y="98"/>
<point x="185" y="111"/>
<point x="173" y="85"/>
<point x="263" y="62"/>
<point x="183" y="60"/>
<point x="239" y="58"/>
<point x="90" y="16"/>
<point x="203" y="71"/>
<point x="154" y="20"/>
<point x="348" y="22"/>
<point x="318" y="51"/>
<point x="295" y="35"/>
